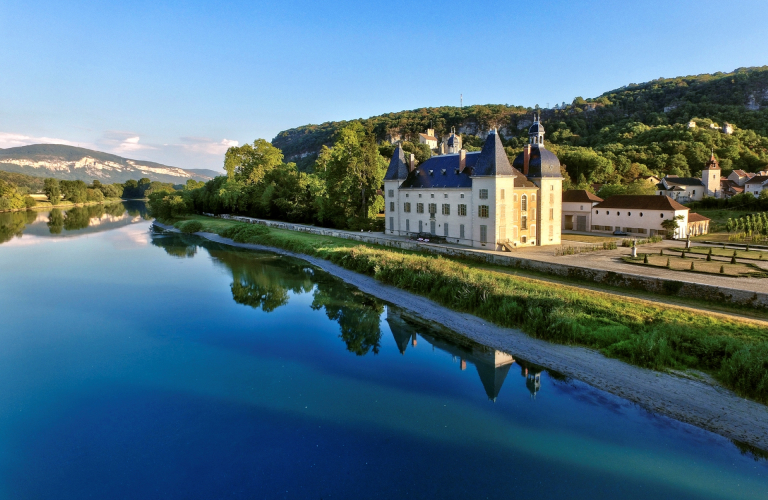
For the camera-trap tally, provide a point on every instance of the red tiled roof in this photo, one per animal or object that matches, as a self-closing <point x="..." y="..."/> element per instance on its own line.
<point x="428" y="137"/>
<point x="694" y="217"/>
<point x="641" y="202"/>
<point x="580" y="196"/>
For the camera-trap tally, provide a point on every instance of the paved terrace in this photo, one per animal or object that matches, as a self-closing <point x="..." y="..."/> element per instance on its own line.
<point x="605" y="260"/>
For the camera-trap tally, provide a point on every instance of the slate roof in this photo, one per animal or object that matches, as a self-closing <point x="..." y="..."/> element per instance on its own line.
<point x="397" y="169"/>
<point x="493" y="159"/>
<point x="542" y="163"/>
<point x="641" y="202"/>
<point x="682" y="181"/>
<point x="536" y="128"/>
<point x="442" y="171"/>
<point x="694" y="217"/>
<point x="580" y="196"/>
<point x="521" y="181"/>
<point x="758" y="179"/>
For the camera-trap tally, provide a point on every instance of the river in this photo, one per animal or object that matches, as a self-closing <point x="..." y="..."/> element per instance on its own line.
<point x="143" y="364"/>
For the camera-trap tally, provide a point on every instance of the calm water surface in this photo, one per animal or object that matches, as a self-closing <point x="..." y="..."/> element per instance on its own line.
<point x="136" y="364"/>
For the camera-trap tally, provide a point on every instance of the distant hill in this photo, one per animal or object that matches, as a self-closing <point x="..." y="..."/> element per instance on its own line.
<point x="205" y="172"/>
<point x="638" y="123"/>
<point x="72" y="163"/>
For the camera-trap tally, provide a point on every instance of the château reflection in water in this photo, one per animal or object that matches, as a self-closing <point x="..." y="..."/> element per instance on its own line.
<point x="266" y="281"/>
<point x="492" y="365"/>
<point x="72" y="221"/>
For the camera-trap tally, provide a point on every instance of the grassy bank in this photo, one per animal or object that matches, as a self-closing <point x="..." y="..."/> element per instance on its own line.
<point x="734" y="351"/>
<point x="46" y="205"/>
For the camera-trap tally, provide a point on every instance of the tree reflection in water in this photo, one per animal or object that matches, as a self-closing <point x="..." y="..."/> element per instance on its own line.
<point x="12" y="224"/>
<point x="55" y="221"/>
<point x="265" y="281"/>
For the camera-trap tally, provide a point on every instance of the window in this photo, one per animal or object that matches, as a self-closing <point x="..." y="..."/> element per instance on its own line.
<point x="407" y="207"/>
<point x="419" y="195"/>
<point x="551" y="198"/>
<point x="694" y="192"/>
<point x="661" y="215"/>
<point x="462" y="195"/>
<point x="482" y="211"/>
<point x="514" y="198"/>
<point x="618" y="213"/>
<point x="406" y="195"/>
<point x="391" y="193"/>
<point x="551" y="187"/>
<point x="445" y="229"/>
<point x="607" y="212"/>
<point x="391" y="223"/>
<point x="524" y="239"/>
<point x="419" y="208"/>
<point x="551" y="214"/>
<point x="446" y="209"/>
<point x="597" y="212"/>
<point x="641" y="214"/>
<point x="391" y="206"/>
<point x="524" y="203"/>
<point x="629" y="214"/>
<point x="501" y="194"/>
<point x="524" y="222"/>
<point x="432" y="195"/>
<point x="551" y="233"/>
<point x="445" y="195"/>
<point x="533" y="199"/>
<point x="483" y="194"/>
<point x="461" y="231"/>
<point x="483" y="234"/>
<point x="462" y="210"/>
<point x="595" y="228"/>
<point x="581" y="207"/>
<point x="432" y="209"/>
<point x="407" y="225"/>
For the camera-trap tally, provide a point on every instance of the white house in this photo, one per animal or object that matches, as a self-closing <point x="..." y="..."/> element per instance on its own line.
<point x="577" y="209"/>
<point x="639" y="215"/>
<point x="429" y="139"/>
<point x="478" y="198"/>
<point x="685" y="189"/>
<point x="756" y="184"/>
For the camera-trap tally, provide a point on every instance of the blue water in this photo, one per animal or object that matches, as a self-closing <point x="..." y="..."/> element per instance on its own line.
<point x="141" y="365"/>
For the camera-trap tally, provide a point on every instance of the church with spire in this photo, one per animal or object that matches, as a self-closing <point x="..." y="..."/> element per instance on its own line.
<point x="478" y="198"/>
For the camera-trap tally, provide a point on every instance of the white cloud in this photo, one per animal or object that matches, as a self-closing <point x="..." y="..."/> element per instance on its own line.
<point x="122" y="142"/>
<point x="207" y="146"/>
<point x="11" y="140"/>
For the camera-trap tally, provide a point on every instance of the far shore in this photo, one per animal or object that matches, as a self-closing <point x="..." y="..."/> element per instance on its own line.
<point x="73" y="205"/>
<point x="697" y="401"/>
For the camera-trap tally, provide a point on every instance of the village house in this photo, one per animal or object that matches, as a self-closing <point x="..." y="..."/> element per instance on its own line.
<point x="429" y="139"/>
<point x="639" y="215"/>
<point x="577" y="209"/>
<point x="686" y="189"/>
<point x="756" y="185"/>
<point x="478" y="198"/>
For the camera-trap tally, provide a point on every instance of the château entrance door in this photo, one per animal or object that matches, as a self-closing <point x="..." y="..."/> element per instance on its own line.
<point x="421" y="226"/>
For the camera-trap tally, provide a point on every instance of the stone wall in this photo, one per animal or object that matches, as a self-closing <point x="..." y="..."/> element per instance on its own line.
<point x="624" y="280"/>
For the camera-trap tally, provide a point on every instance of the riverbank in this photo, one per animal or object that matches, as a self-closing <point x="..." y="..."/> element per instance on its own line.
<point x="697" y="401"/>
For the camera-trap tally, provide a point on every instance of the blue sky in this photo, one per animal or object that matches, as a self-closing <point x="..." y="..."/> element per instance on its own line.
<point x="176" y="82"/>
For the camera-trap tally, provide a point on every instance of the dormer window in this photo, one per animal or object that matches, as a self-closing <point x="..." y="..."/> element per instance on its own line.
<point x="443" y="170"/>
<point x="431" y="172"/>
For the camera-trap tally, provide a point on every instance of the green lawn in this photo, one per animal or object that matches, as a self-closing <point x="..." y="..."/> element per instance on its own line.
<point x="653" y="335"/>
<point x="676" y="263"/>
<point x="725" y="252"/>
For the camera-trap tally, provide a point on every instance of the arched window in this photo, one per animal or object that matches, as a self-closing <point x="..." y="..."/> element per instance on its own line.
<point x="524" y="203"/>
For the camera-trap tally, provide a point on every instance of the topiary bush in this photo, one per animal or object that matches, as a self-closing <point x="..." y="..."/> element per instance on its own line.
<point x="191" y="226"/>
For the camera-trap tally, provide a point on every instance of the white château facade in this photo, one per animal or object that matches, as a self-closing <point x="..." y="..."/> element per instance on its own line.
<point x="478" y="199"/>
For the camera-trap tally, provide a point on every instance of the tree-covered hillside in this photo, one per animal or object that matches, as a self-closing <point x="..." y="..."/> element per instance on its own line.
<point x="625" y="133"/>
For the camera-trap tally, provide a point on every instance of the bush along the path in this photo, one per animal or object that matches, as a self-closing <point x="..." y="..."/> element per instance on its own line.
<point x="645" y="334"/>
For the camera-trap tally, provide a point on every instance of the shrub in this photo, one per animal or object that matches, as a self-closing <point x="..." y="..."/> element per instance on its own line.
<point x="645" y="258"/>
<point x="191" y="226"/>
<point x="722" y="269"/>
<point x="29" y="201"/>
<point x="245" y="233"/>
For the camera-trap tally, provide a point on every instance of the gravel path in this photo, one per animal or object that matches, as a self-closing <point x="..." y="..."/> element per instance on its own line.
<point x="697" y="402"/>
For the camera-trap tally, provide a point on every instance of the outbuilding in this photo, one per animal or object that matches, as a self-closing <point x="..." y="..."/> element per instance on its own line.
<point x="640" y="215"/>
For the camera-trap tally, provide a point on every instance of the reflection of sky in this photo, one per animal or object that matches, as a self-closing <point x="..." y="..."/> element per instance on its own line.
<point x="135" y="372"/>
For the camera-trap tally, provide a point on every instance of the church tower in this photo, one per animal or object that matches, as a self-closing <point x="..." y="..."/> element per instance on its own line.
<point x="710" y="177"/>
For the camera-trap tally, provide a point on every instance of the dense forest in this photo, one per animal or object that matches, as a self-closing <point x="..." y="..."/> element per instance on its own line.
<point x="637" y="130"/>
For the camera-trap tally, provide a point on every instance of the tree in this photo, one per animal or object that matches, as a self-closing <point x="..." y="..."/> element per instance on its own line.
<point x="193" y="184"/>
<point x="52" y="190"/>
<point x="671" y="225"/>
<point x="249" y="163"/>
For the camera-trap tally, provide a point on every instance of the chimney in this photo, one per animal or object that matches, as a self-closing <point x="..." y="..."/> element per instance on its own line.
<point x="526" y="158"/>
<point x="411" y="162"/>
<point x="462" y="160"/>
